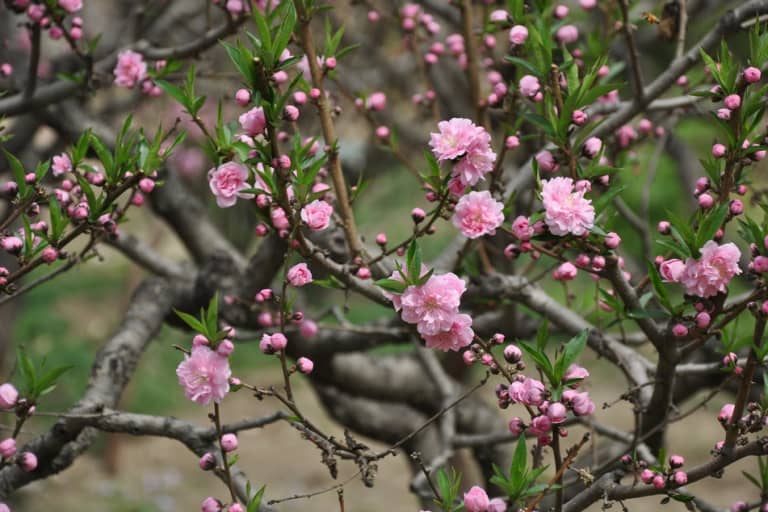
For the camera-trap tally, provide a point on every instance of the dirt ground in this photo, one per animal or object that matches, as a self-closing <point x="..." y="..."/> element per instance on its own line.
<point x="157" y="475"/>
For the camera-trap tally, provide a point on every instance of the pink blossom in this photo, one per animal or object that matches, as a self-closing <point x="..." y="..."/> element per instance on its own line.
<point x="522" y="229"/>
<point x="454" y="138"/>
<point x="308" y="329"/>
<point x="478" y="214"/>
<point x="8" y="396"/>
<point x="547" y="162"/>
<point x="433" y="305"/>
<point x="556" y="412"/>
<point x="540" y="425"/>
<point x="518" y="34"/>
<point x="299" y="275"/>
<point x="457" y="337"/>
<point x="226" y="182"/>
<point x="71" y="6"/>
<point x="575" y="372"/>
<point x="710" y="274"/>
<point x="476" y="500"/>
<point x="477" y="162"/>
<point x="279" y="218"/>
<point x="581" y="404"/>
<point x="671" y="270"/>
<point x="211" y="504"/>
<point x="130" y="69"/>
<point x="253" y="122"/>
<point x="565" y="272"/>
<point x="317" y="215"/>
<point x="497" y="505"/>
<point x="592" y="147"/>
<point x="61" y="165"/>
<point x="566" y="211"/>
<point x="588" y="4"/>
<point x="529" y="86"/>
<point x="204" y="375"/>
<point x="567" y="34"/>
<point x="527" y="392"/>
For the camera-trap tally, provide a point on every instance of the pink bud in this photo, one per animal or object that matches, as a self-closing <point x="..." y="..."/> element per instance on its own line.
<point x="146" y="185"/>
<point x="646" y="476"/>
<point x="579" y="117"/>
<point x="207" y="462"/>
<point x="706" y="201"/>
<point x="752" y="75"/>
<point x="229" y="442"/>
<point x="27" y="461"/>
<point x="680" y="330"/>
<point x="664" y="227"/>
<point x="732" y="101"/>
<point x="718" y="150"/>
<point x="382" y="132"/>
<point x="512" y="142"/>
<point x="702" y="320"/>
<point x="50" y="255"/>
<point x="659" y="482"/>
<point x="612" y="240"/>
<point x="305" y="365"/>
<point x="243" y="97"/>
<point x="8" y="447"/>
<point x="225" y="348"/>
<point x="417" y="214"/>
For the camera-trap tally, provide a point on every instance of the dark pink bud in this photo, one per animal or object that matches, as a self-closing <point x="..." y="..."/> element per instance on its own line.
<point x="752" y="75"/>
<point x="702" y="320"/>
<point x="207" y="462"/>
<point x="417" y="214"/>
<point x="612" y="240"/>
<point x="680" y="330"/>
<point x="718" y="150"/>
<point x="50" y="255"/>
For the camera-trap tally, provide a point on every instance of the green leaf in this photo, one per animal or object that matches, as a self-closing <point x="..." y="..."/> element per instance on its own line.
<point x="711" y="223"/>
<point x="658" y="287"/>
<point x="191" y="321"/>
<point x="255" y="503"/>
<point x="17" y="168"/>
<point x="519" y="461"/>
<point x="413" y="261"/>
<point x="572" y="351"/>
<point x="26" y="369"/>
<point x="541" y="360"/>
<point x="212" y="315"/>
<point x="174" y="91"/>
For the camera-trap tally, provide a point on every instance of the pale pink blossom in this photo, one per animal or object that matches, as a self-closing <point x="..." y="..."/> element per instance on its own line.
<point x="477" y="162"/>
<point x="518" y="34"/>
<point x="71" y="6"/>
<point x="527" y="392"/>
<point x="711" y="273"/>
<point x="253" y="122"/>
<point x="204" y="375"/>
<point x="671" y="270"/>
<point x="567" y="34"/>
<point x="478" y="214"/>
<point x="299" y="275"/>
<point x="130" y="69"/>
<point x="226" y="182"/>
<point x="566" y="210"/>
<point x="529" y="86"/>
<point x="457" y="337"/>
<point x="575" y="372"/>
<point x="476" y="500"/>
<point x="317" y="215"/>
<point x="540" y="425"/>
<point x="61" y="165"/>
<point x="454" y="138"/>
<point x="433" y="305"/>
<point x="279" y="218"/>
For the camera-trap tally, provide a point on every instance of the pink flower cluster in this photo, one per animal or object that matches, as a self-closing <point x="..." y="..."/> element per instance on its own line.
<point x="468" y="145"/>
<point x="708" y="275"/>
<point x="478" y="214"/>
<point x="434" y="308"/>
<point x="548" y="414"/>
<point x="204" y="374"/>
<point x="566" y="209"/>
